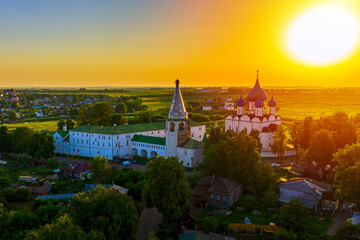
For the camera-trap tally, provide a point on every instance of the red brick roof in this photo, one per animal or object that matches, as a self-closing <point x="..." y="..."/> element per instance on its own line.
<point x="77" y="167"/>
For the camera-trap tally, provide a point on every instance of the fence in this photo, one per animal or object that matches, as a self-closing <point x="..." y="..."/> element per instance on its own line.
<point x="253" y="228"/>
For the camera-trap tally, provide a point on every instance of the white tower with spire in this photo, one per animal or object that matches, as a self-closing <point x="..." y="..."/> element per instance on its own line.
<point x="178" y="128"/>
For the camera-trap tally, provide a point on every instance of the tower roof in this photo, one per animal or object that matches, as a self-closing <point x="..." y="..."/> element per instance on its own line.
<point x="259" y="103"/>
<point x="272" y="102"/>
<point x="256" y="91"/>
<point x="177" y="109"/>
<point x="240" y="102"/>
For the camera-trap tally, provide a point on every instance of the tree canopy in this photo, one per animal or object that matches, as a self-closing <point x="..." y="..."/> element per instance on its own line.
<point x="347" y="173"/>
<point x="108" y="211"/>
<point x="235" y="156"/>
<point x="166" y="189"/>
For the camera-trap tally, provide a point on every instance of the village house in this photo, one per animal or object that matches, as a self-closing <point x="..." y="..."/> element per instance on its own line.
<point x="216" y="191"/>
<point x="314" y="194"/>
<point x="75" y="170"/>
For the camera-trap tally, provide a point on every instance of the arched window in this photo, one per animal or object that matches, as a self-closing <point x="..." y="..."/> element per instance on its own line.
<point x="172" y="127"/>
<point x="181" y="126"/>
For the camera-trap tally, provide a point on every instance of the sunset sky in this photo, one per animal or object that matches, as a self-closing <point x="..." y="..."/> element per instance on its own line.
<point x="152" y="42"/>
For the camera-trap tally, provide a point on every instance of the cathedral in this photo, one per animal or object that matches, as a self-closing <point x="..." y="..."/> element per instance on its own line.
<point x="256" y="117"/>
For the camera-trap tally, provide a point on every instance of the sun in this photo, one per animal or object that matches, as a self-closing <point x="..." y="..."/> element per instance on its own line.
<point x="323" y="36"/>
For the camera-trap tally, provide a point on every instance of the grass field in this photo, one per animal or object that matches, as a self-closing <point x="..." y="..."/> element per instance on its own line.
<point x="292" y="107"/>
<point x="37" y="126"/>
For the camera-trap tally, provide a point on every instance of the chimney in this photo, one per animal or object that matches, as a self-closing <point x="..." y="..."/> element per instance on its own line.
<point x="64" y="127"/>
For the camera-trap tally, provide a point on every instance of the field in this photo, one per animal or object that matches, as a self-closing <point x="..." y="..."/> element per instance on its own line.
<point x="37" y="126"/>
<point x="292" y="107"/>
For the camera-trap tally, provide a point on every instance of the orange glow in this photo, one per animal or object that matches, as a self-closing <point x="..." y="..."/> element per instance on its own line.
<point x="207" y="42"/>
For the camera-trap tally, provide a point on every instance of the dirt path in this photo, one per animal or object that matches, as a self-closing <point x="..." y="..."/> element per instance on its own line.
<point x="338" y="221"/>
<point x="149" y="221"/>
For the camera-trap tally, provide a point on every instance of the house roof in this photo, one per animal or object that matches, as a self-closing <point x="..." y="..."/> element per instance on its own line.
<point x="62" y="133"/>
<point x="303" y="185"/>
<point x="218" y="184"/>
<point x="149" y="139"/>
<point x="191" y="143"/>
<point x="42" y="189"/>
<point x="142" y="127"/>
<point x="77" y="167"/>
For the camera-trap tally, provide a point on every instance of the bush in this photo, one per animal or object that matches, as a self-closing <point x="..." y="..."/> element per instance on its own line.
<point x="164" y="232"/>
<point x="209" y="224"/>
<point x="53" y="163"/>
<point x="270" y="199"/>
<point x="249" y="202"/>
<point x="285" y="235"/>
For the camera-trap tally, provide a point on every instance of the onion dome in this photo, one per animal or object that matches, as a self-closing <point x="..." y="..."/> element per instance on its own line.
<point x="266" y="130"/>
<point x="256" y="92"/>
<point x="259" y="103"/>
<point x="272" y="102"/>
<point x="240" y="102"/>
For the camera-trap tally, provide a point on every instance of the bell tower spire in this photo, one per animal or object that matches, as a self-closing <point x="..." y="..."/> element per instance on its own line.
<point x="177" y="109"/>
<point x="178" y="126"/>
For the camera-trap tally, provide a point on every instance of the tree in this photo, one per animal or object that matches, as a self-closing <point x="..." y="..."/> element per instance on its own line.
<point x="256" y="135"/>
<point x="62" y="229"/>
<point x="98" y="114"/>
<point x="145" y="117"/>
<point x="108" y="211"/>
<point x="280" y="141"/>
<point x="209" y="224"/>
<point x="294" y="216"/>
<point x="20" y="140"/>
<point x="4" y="178"/>
<point x="121" y="107"/>
<point x="118" y="119"/>
<point x="53" y="163"/>
<point x="307" y="129"/>
<point x="322" y="147"/>
<point x="349" y="231"/>
<point x="235" y="156"/>
<point x="4" y="139"/>
<point x="41" y="145"/>
<point x="70" y="124"/>
<point x="12" y="115"/>
<point x="347" y="173"/>
<point x="98" y="166"/>
<point x="165" y="188"/>
<point x="102" y="113"/>
<point x="285" y="235"/>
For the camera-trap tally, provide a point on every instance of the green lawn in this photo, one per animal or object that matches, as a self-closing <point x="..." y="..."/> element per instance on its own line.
<point x="37" y="126"/>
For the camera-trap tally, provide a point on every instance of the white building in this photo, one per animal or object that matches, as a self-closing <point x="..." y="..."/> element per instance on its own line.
<point x="178" y="136"/>
<point x="229" y="104"/>
<point x="256" y="117"/>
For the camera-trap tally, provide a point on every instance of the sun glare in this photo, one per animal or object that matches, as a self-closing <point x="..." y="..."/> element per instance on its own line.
<point x="323" y="36"/>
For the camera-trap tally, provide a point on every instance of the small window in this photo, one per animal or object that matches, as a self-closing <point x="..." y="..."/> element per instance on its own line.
<point x="172" y="127"/>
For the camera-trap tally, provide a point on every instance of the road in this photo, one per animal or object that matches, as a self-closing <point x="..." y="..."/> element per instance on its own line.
<point x="149" y="221"/>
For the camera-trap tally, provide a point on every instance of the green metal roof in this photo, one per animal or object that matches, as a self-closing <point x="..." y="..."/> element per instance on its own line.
<point x="149" y="139"/>
<point x="192" y="144"/>
<point x="142" y="127"/>
<point x="62" y="133"/>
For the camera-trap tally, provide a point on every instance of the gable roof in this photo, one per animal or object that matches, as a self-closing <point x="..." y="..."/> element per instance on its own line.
<point x="62" y="133"/>
<point x="303" y="185"/>
<point x="141" y="127"/>
<point x="191" y="143"/>
<point x="77" y="167"/>
<point x="148" y="139"/>
<point x="218" y="184"/>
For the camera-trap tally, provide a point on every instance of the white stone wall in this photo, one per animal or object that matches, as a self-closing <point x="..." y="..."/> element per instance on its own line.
<point x="198" y="132"/>
<point x="147" y="149"/>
